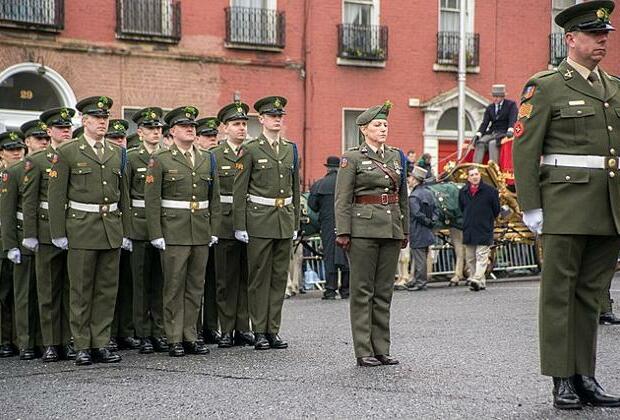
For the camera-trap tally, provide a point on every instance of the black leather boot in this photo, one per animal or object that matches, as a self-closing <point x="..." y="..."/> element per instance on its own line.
<point x="564" y="395"/>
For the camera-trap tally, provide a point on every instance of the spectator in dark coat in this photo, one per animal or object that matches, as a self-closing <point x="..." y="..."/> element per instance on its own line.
<point x="421" y="219"/>
<point x="479" y="203"/>
<point x="321" y="200"/>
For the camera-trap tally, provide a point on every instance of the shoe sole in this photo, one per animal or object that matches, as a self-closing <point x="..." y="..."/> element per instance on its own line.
<point x="575" y="406"/>
<point x="262" y="348"/>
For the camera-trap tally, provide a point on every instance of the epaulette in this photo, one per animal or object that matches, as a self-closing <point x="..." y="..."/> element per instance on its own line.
<point x="251" y="141"/>
<point x="38" y="152"/>
<point x="354" y="149"/>
<point x="544" y="73"/>
<point x="161" y="152"/>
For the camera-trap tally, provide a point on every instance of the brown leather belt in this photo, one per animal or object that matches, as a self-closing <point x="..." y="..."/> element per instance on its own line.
<point x="383" y="199"/>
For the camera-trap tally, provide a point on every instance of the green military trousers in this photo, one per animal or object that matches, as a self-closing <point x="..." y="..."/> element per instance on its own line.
<point x="373" y="264"/>
<point x="576" y="269"/>
<point x="122" y="324"/>
<point x="208" y="319"/>
<point x="7" y="304"/>
<point x="184" y="277"/>
<point x="93" y="278"/>
<point x="268" y="261"/>
<point x="231" y="268"/>
<point x="53" y="295"/>
<point x="148" y="307"/>
<point x="27" y="325"/>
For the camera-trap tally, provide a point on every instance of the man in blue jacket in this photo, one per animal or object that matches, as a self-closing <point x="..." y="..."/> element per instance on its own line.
<point x="479" y="203"/>
<point x="421" y="210"/>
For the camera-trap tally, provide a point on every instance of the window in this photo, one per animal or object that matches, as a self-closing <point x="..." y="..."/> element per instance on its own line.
<point x="360" y="36"/>
<point x="557" y="45"/>
<point x="449" y="120"/>
<point x="449" y="34"/>
<point x="28" y="92"/>
<point x="254" y="127"/>
<point x="351" y="133"/>
<point x="46" y="15"/>
<point x="255" y="23"/>
<point x="149" y="20"/>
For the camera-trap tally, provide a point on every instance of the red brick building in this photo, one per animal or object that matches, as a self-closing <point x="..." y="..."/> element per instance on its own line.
<point x="330" y="58"/>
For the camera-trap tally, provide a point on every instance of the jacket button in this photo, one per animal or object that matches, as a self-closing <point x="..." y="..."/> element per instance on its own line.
<point x="579" y="112"/>
<point x="612" y="174"/>
<point x="606" y="104"/>
<point x="568" y="177"/>
<point x="105" y="182"/>
<point x="389" y="212"/>
<point x="102" y="166"/>
<point x="612" y="152"/>
<point x="610" y="128"/>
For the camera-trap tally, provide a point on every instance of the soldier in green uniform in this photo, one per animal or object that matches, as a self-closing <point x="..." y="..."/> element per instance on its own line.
<point x="372" y="224"/>
<point x="27" y="326"/>
<point x="266" y="210"/>
<point x="182" y="207"/>
<point x="566" y="153"/>
<point x="86" y="198"/>
<point x="231" y="260"/>
<point x="11" y="151"/>
<point x="50" y="261"/>
<point x="122" y="324"/>
<point x="145" y="261"/>
<point x="208" y="322"/>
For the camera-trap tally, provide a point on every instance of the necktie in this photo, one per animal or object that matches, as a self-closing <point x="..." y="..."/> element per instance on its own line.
<point x="188" y="156"/>
<point x="380" y="153"/>
<point x="496" y="109"/>
<point x="596" y="84"/>
<point x="275" y="147"/>
<point x="99" y="150"/>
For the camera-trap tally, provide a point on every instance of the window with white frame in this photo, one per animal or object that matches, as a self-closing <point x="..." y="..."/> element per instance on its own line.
<point x="361" y="12"/>
<point x="449" y="15"/>
<point x="350" y="130"/>
<point x="255" y="22"/>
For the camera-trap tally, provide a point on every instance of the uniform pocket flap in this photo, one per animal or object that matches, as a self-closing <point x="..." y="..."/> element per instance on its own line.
<point x="173" y="177"/>
<point x="81" y="170"/>
<point x="76" y="214"/>
<point x="576" y="111"/>
<point x="569" y="176"/>
<point x="364" y="212"/>
<point x="263" y="165"/>
<point x="205" y="177"/>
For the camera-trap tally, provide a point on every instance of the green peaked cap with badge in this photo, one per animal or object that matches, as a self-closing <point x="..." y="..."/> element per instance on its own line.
<point x="11" y="140"/>
<point x="133" y="140"/>
<point x="207" y="126"/>
<point x="271" y="105"/>
<point x="377" y="112"/>
<point x="117" y="128"/>
<point x="98" y="106"/>
<point x="58" y="117"/>
<point x="235" y="111"/>
<point x="36" y="128"/>
<point x="183" y="115"/>
<point x="78" y="132"/>
<point x="590" y="16"/>
<point x="149" y="117"/>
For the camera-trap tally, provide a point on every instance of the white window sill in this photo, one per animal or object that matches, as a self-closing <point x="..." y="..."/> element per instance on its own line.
<point x="359" y="63"/>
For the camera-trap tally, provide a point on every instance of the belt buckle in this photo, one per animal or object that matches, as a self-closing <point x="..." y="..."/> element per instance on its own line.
<point x="385" y="199"/>
<point x="103" y="208"/>
<point x="194" y="205"/>
<point x="279" y="202"/>
<point x="612" y="163"/>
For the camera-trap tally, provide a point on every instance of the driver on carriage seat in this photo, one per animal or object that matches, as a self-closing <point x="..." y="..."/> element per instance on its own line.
<point x="499" y="117"/>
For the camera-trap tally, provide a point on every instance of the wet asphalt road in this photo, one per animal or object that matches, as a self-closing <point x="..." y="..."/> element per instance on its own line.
<point x="463" y="355"/>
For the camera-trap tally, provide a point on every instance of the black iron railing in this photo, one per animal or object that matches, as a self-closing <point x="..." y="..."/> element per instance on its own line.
<point x="448" y="49"/>
<point x="45" y="15"/>
<point x="359" y="42"/>
<point x="149" y="20"/>
<point x="557" y="48"/>
<point x="255" y="27"/>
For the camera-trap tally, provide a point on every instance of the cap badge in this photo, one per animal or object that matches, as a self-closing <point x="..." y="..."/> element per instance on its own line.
<point x="13" y="136"/>
<point x="277" y="103"/>
<point x="64" y="114"/>
<point x="603" y="15"/>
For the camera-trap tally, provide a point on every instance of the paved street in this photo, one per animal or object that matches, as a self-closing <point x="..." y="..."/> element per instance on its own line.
<point x="463" y="355"/>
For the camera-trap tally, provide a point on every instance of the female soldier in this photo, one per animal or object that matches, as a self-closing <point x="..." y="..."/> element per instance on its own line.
<point x="372" y="224"/>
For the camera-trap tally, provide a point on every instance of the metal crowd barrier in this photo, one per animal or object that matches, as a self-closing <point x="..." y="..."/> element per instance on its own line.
<point x="509" y="257"/>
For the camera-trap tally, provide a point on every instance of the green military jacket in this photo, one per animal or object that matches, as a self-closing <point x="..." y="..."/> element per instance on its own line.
<point x="78" y="175"/>
<point x="10" y="206"/>
<point x="137" y="166"/>
<point x="38" y="166"/>
<point x="171" y="177"/>
<point x="363" y="172"/>
<point x="263" y="174"/>
<point x="561" y="113"/>
<point x="228" y="164"/>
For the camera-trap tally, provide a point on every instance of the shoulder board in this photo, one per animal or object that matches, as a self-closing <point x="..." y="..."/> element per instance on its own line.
<point x="542" y="74"/>
<point x="67" y="144"/>
<point x="251" y="141"/>
<point x="161" y="152"/>
<point x="354" y="149"/>
<point x="37" y="153"/>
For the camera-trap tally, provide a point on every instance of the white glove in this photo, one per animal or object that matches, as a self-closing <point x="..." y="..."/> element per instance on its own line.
<point x="214" y="240"/>
<point x="510" y="132"/>
<point x="62" y="243"/>
<point x="533" y="219"/>
<point x="15" y="256"/>
<point x="242" y="235"/>
<point x="295" y="235"/>
<point x="30" y="243"/>
<point x="127" y="244"/>
<point x="159" y="243"/>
